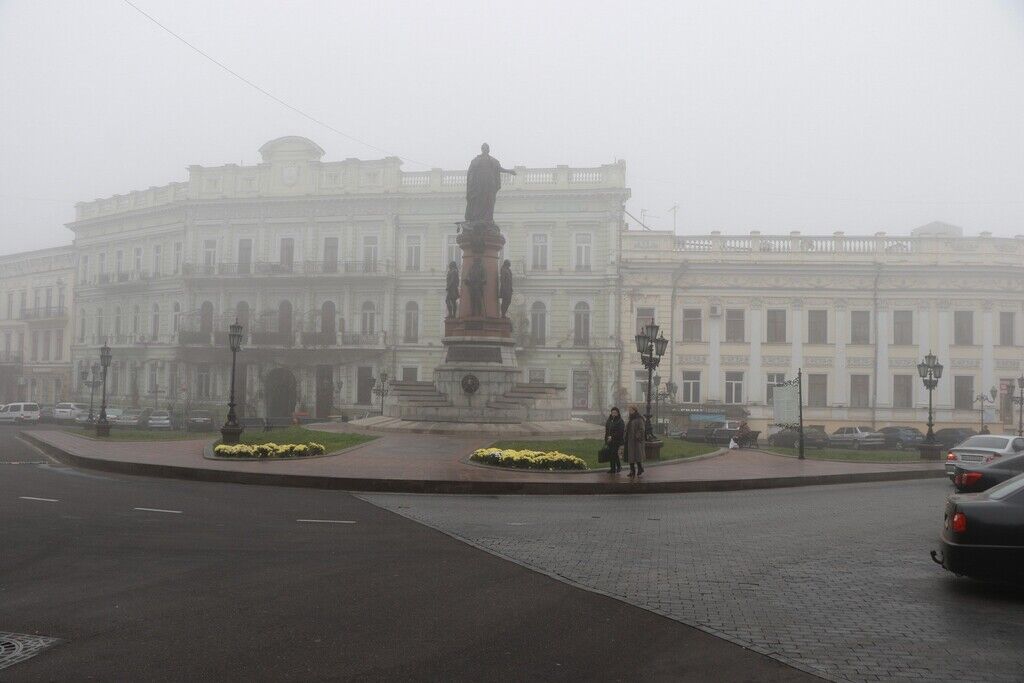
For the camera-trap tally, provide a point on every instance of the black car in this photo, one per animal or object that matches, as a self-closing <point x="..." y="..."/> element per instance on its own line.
<point x="790" y="438"/>
<point x="972" y="478"/>
<point x="953" y="436"/>
<point x="701" y="434"/>
<point x="901" y="437"/>
<point x="983" y="533"/>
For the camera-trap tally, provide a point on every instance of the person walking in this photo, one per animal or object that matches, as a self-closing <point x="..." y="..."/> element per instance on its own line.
<point x="614" y="433"/>
<point x="635" y="432"/>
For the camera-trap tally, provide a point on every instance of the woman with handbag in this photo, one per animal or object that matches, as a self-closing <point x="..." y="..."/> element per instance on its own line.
<point x="635" y="437"/>
<point x="614" y="432"/>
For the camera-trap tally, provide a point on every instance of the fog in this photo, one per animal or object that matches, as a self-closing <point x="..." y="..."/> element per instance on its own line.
<point x="814" y="116"/>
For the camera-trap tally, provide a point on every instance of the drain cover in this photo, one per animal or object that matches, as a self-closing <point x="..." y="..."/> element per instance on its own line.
<point x="17" y="647"/>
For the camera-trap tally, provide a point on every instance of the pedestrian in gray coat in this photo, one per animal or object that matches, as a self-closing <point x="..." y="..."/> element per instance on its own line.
<point x="635" y="433"/>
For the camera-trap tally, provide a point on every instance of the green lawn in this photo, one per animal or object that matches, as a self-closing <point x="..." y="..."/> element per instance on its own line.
<point x="130" y="434"/>
<point x="333" y="441"/>
<point x="672" y="449"/>
<point x="866" y="455"/>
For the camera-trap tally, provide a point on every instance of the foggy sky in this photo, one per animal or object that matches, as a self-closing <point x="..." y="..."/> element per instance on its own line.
<point x="775" y="116"/>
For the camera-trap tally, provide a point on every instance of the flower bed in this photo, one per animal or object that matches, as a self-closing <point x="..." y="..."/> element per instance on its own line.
<point x="269" y="450"/>
<point x="525" y="459"/>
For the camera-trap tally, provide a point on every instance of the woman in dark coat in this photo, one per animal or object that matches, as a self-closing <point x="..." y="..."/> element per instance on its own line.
<point x="614" y="433"/>
<point x="635" y="433"/>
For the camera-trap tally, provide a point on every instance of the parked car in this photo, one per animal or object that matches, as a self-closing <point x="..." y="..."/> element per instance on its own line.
<point x="789" y="438"/>
<point x="704" y="432"/>
<point x="983" y="533"/>
<point x="112" y="415"/>
<point x="199" y="421"/>
<point x="160" y="419"/>
<point x="46" y="413"/>
<point x="134" y="417"/>
<point x="63" y="412"/>
<point x="982" y="450"/>
<point x="901" y="437"/>
<point x="974" y="478"/>
<point x="855" y="438"/>
<point x="21" y="413"/>
<point x="953" y="436"/>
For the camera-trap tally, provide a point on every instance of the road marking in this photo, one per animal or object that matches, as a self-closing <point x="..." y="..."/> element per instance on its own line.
<point x="517" y="523"/>
<point x="45" y="500"/>
<point x="172" y="512"/>
<point x="327" y="521"/>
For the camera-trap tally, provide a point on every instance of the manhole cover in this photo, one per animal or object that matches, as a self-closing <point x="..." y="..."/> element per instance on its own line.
<point x="17" y="647"/>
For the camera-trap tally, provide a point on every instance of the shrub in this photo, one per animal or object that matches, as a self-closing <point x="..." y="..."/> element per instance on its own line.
<point x="269" y="450"/>
<point x="526" y="459"/>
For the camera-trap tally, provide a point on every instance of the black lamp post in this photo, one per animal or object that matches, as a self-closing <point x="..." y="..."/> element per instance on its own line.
<point x="657" y="403"/>
<point x="382" y="389"/>
<point x="232" y="431"/>
<point x="102" y="426"/>
<point x="92" y="384"/>
<point x="651" y="347"/>
<point x="930" y="371"/>
<point x="1020" y="401"/>
<point x="990" y="397"/>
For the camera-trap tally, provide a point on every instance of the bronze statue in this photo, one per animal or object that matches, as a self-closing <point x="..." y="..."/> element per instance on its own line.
<point x="505" y="287"/>
<point x="475" y="282"/>
<point x="483" y="180"/>
<point x="452" y="289"/>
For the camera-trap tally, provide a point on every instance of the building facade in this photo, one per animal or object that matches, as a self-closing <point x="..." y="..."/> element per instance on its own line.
<point x="36" y="289"/>
<point x="336" y="270"/>
<point x="856" y="314"/>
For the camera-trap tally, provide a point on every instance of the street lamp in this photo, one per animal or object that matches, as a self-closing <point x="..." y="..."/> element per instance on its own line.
<point x="102" y="426"/>
<point x="382" y="389"/>
<point x="231" y="431"/>
<point x="1020" y="401"/>
<point x="92" y="384"/>
<point x="930" y="371"/>
<point x="990" y="397"/>
<point x="657" y="402"/>
<point x="651" y="347"/>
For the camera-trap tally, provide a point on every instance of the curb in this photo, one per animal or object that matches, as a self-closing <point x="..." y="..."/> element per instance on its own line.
<point x="467" y="487"/>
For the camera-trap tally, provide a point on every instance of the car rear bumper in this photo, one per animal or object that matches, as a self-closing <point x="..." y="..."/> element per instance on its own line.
<point x="981" y="561"/>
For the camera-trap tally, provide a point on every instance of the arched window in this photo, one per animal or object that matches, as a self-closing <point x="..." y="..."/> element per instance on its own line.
<point x="99" y="325"/>
<point x="117" y="321"/>
<point x="538" y="323"/>
<point x="176" y="313"/>
<point x="206" y="317"/>
<point x="369" y="318"/>
<point x="412" y="322"/>
<point x="284" y="317"/>
<point x="242" y="314"/>
<point x="156" y="321"/>
<point x="328" y="319"/>
<point x="135" y="319"/>
<point x="581" y="324"/>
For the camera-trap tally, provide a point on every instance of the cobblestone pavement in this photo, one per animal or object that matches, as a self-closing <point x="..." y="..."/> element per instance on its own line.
<point x="835" y="580"/>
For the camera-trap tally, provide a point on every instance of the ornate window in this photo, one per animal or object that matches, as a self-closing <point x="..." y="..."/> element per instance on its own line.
<point x="369" y="318"/>
<point x="538" y="323"/>
<point x="581" y="324"/>
<point x="412" y="322"/>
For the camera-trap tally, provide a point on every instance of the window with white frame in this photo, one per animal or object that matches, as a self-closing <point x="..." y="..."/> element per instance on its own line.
<point x="203" y="381"/>
<point x="102" y="263"/>
<point x="536" y="375"/>
<point x="734" y="325"/>
<point x="817" y="390"/>
<point x="137" y="266"/>
<point x="860" y="327"/>
<point x="581" y="324"/>
<point x="774" y="379"/>
<point x="692" y="324"/>
<point x="84" y="265"/>
<point x="903" y="327"/>
<point x="370" y="243"/>
<point x="155" y="327"/>
<point x="157" y="257"/>
<point x="639" y="385"/>
<point x="902" y="391"/>
<point x="119" y="262"/>
<point x="176" y="315"/>
<point x="776" y="326"/>
<point x="583" y="243"/>
<point x="860" y="391"/>
<point x="538" y="323"/>
<point x="410" y="373"/>
<point x="963" y="392"/>
<point x="177" y="258"/>
<point x="1006" y="328"/>
<point x="963" y="328"/>
<point x="817" y="327"/>
<point x="690" y="386"/>
<point x="209" y="253"/>
<point x="412" y="252"/>
<point x="539" y="253"/>
<point x="733" y="387"/>
<point x="412" y="322"/>
<point x="451" y="250"/>
<point x="369" y="318"/>
<point x="286" y="256"/>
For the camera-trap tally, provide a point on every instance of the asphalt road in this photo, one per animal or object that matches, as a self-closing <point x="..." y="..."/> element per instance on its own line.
<point x="149" y="579"/>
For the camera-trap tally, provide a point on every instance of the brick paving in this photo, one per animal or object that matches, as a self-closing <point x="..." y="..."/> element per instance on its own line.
<point x="419" y="457"/>
<point x="835" y="580"/>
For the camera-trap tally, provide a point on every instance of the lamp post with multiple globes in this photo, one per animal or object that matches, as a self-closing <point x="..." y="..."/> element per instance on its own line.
<point x="930" y="371"/>
<point x="651" y="347"/>
<point x="232" y="430"/>
<point x="102" y="425"/>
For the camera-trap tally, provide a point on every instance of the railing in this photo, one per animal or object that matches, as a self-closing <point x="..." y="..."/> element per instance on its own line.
<point x="319" y="338"/>
<point x="123" y="276"/>
<point x="270" y="338"/>
<point x="10" y="357"/>
<point x="42" y="312"/>
<point x="276" y="268"/>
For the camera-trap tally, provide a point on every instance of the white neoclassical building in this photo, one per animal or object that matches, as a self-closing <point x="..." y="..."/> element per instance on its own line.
<point x="856" y="314"/>
<point x="337" y="272"/>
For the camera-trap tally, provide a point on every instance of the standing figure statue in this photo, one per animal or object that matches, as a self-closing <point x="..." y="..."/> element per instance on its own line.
<point x="451" y="298"/>
<point x="482" y="184"/>
<point x="475" y="282"/>
<point x="505" y="287"/>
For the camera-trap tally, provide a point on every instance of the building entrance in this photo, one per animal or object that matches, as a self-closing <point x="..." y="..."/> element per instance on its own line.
<point x="324" y="391"/>
<point x="282" y="393"/>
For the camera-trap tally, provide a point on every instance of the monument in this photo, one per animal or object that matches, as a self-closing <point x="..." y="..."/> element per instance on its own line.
<point x="478" y="386"/>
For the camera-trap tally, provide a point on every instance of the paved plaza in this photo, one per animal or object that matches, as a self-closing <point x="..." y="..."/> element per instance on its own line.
<point x="833" y="580"/>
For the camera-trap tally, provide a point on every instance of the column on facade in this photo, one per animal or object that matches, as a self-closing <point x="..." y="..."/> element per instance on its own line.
<point x="883" y="379"/>
<point x="944" y="393"/>
<point x="840" y="386"/>
<point x="796" y="338"/>
<point x="714" y="379"/>
<point x="612" y="322"/>
<point x="757" y="381"/>
<point x="925" y="343"/>
<point x="988" y="379"/>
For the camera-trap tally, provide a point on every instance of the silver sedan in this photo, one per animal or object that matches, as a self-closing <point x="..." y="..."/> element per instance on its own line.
<point x="983" y="449"/>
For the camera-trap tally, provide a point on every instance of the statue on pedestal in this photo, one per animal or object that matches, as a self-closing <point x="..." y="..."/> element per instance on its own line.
<point x="505" y="287"/>
<point x="483" y="180"/>
<point x="475" y="282"/>
<point x="452" y="289"/>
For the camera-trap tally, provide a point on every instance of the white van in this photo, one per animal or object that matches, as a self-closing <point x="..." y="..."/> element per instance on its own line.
<point x="19" y="412"/>
<point x="69" y="411"/>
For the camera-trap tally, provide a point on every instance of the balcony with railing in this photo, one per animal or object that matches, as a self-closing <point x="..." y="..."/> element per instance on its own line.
<point x="285" y="269"/>
<point x="43" y="313"/>
<point x="122" y="277"/>
<point x="10" y="358"/>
